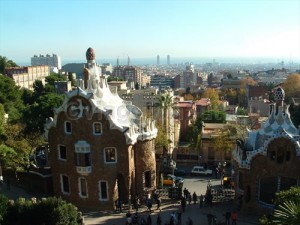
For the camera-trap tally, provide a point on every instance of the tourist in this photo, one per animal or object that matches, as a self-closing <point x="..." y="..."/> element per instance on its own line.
<point x="195" y="197"/>
<point x="149" y="220"/>
<point x="233" y="217"/>
<point x="159" y="220"/>
<point x="158" y="203"/>
<point x="201" y="200"/>
<point x="227" y="216"/>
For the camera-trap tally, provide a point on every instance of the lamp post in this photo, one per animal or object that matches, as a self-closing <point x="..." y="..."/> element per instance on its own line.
<point x="221" y="170"/>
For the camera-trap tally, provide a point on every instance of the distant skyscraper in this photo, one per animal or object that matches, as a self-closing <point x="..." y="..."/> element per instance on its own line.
<point x="128" y="61"/>
<point x="52" y="61"/>
<point x="168" y="59"/>
<point x="118" y="64"/>
<point x="157" y="60"/>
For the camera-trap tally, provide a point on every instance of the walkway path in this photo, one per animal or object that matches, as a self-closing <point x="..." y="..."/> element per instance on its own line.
<point x="111" y="218"/>
<point x="193" y="211"/>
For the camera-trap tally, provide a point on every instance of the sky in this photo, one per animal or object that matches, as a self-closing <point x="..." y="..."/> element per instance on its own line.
<point x="147" y="28"/>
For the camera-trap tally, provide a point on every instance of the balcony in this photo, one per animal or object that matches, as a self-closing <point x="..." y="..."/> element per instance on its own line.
<point x="84" y="169"/>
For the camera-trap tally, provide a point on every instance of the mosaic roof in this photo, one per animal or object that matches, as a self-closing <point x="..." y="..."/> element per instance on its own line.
<point x="122" y="115"/>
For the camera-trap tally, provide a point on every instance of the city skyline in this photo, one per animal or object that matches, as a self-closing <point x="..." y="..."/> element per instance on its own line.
<point x="144" y="29"/>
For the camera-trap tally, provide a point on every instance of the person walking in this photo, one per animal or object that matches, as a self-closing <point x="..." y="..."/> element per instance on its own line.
<point x="195" y="197"/>
<point x="183" y="204"/>
<point x="149" y="220"/>
<point x="179" y="217"/>
<point x="227" y="218"/>
<point x="201" y="200"/>
<point x="189" y="221"/>
<point x="189" y="198"/>
<point x="233" y="218"/>
<point x="210" y="218"/>
<point x="159" y="220"/>
<point x="158" y="203"/>
<point x="149" y="205"/>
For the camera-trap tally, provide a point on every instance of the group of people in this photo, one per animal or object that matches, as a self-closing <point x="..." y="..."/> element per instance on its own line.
<point x="230" y="218"/>
<point x="136" y="219"/>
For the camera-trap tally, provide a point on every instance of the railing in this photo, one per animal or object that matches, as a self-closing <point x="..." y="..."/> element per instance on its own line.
<point x="83" y="169"/>
<point x="222" y="195"/>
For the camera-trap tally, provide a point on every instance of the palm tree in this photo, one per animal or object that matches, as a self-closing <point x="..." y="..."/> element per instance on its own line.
<point x="165" y="103"/>
<point x="288" y="213"/>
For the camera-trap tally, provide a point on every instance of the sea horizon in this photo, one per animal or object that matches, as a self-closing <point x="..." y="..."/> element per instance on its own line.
<point x="182" y="60"/>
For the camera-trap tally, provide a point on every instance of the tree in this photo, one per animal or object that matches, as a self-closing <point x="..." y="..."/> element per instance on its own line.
<point x="213" y="116"/>
<point x="6" y="63"/>
<point x="165" y="104"/>
<point x="38" y="89"/>
<point x="2" y="119"/>
<point x="10" y="98"/>
<point x="3" y="207"/>
<point x="51" y="211"/>
<point x="291" y="86"/>
<point x="53" y="77"/>
<point x="19" y="148"/>
<point x="213" y="95"/>
<point x="7" y="156"/>
<point x="287" y="208"/>
<point x="241" y="111"/>
<point x="224" y="140"/>
<point x="161" y="140"/>
<point x="247" y="81"/>
<point x="188" y="97"/>
<point x="35" y="115"/>
<point x="295" y="112"/>
<point x="230" y="95"/>
<point x="287" y="213"/>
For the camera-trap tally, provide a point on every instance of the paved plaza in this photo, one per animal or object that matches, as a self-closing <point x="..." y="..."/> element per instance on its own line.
<point x="168" y="206"/>
<point x="192" y="211"/>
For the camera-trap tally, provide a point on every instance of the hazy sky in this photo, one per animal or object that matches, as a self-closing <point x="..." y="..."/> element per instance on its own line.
<point x="146" y="28"/>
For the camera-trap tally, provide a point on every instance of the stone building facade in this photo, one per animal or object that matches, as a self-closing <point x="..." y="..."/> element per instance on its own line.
<point x="26" y="76"/>
<point x="269" y="160"/>
<point x="100" y="147"/>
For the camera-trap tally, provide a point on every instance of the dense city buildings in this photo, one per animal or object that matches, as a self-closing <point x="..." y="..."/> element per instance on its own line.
<point x="168" y="60"/>
<point x="162" y="82"/>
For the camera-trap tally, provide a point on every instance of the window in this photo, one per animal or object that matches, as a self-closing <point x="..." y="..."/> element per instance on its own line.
<point x="103" y="190"/>
<point x="288" y="156"/>
<point x="68" y="127"/>
<point x="83" y="159"/>
<point x="64" y="181"/>
<point x="281" y="150"/>
<point x="62" y="152"/>
<point x="272" y="155"/>
<point x="110" y="155"/>
<point x="211" y="153"/>
<point x="268" y="188"/>
<point x="97" y="128"/>
<point x="82" y="187"/>
<point x="147" y="178"/>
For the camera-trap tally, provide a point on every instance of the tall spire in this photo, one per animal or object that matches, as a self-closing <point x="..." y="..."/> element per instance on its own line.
<point x="279" y="97"/>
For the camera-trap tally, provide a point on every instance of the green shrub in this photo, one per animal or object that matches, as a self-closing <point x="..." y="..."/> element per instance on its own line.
<point x="50" y="211"/>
